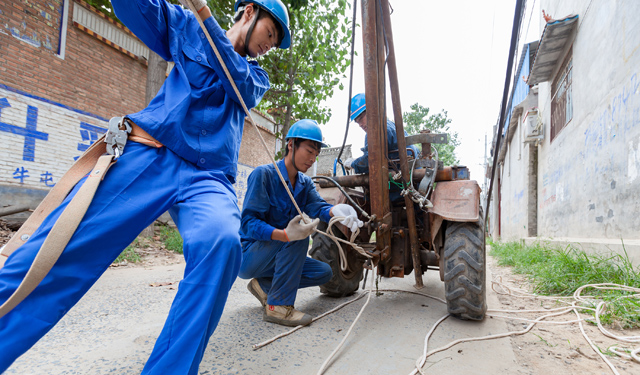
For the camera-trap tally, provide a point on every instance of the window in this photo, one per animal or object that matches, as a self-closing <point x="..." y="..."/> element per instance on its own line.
<point x="561" y="100"/>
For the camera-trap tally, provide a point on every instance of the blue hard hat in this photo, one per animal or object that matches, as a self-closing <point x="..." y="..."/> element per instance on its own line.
<point x="306" y="129"/>
<point x="358" y="105"/>
<point x="278" y="10"/>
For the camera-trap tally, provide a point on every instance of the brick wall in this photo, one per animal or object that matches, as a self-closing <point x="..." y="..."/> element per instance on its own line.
<point x="252" y="151"/>
<point x="52" y="108"/>
<point x="93" y="76"/>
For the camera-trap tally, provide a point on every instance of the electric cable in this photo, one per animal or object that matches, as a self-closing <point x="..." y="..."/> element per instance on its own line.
<point x="353" y="38"/>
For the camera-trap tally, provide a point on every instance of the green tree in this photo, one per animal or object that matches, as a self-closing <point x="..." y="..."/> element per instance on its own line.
<point x="419" y="119"/>
<point x="307" y="73"/>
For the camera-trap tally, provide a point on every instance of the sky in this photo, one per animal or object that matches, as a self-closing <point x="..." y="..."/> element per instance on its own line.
<point x="451" y="55"/>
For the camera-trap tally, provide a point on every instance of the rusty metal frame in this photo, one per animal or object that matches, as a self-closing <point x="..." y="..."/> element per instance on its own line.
<point x="374" y="57"/>
<point x="402" y="145"/>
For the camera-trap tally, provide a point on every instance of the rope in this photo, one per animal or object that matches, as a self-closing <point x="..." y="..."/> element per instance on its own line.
<point x="326" y="362"/>
<point x="189" y="3"/>
<point x="337" y="240"/>
<point x="633" y="354"/>
<point x="244" y="106"/>
<point x="267" y="342"/>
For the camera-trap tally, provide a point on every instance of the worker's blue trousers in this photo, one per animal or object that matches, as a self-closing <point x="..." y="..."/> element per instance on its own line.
<point x="282" y="268"/>
<point x="143" y="184"/>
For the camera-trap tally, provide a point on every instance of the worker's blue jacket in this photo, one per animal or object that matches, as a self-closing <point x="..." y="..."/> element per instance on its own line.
<point x="197" y="117"/>
<point x="267" y="205"/>
<point x="361" y="164"/>
<point x="196" y="114"/>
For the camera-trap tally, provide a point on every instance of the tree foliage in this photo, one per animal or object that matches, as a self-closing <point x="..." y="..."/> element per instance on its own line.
<point x="220" y="9"/>
<point x="419" y="119"/>
<point x="307" y="73"/>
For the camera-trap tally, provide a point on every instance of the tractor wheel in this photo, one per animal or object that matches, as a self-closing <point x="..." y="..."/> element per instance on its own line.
<point x="342" y="283"/>
<point x="465" y="270"/>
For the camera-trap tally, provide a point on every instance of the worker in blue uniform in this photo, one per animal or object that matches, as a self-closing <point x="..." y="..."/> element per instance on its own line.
<point x="274" y="240"/>
<point x="361" y="164"/>
<point x="199" y="119"/>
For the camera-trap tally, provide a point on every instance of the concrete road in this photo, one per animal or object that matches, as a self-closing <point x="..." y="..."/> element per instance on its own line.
<point x="113" y="328"/>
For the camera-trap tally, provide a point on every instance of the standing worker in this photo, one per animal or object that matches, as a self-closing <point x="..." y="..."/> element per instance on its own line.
<point x="361" y="164"/>
<point x="275" y="240"/>
<point x="195" y="122"/>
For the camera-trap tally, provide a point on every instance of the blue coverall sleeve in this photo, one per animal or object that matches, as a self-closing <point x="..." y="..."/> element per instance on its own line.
<point x="256" y="207"/>
<point x="251" y="80"/>
<point x="316" y="207"/>
<point x="149" y="20"/>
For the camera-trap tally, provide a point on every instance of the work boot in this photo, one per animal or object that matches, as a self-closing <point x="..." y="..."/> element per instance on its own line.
<point x="286" y="316"/>
<point x="255" y="289"/>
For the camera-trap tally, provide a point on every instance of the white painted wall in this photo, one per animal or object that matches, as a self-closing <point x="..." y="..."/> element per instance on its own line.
<point x="40" y="165"/>
<point x="26" y="176"/>
<point x="589" y="183"/>
<point x="514" y="187"/>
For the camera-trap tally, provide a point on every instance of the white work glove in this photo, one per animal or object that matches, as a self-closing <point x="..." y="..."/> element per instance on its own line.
<point x="298" y="230"/>
<point x="347" y="163"/>
<point x="350" y="216"/>
<point x="198" y="4"/>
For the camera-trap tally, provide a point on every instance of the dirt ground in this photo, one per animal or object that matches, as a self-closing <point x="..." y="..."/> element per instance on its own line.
<point x="152" y="253"/>
<point x="557" y="349"/>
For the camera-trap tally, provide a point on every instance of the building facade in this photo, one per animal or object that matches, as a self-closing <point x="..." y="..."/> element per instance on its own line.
<point x="569" y="160"/>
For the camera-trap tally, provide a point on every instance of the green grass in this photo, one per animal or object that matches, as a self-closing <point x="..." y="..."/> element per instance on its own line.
<point x="560" y="271"/>
<point x="129" y="253"/>
<point x="171" y="238"/>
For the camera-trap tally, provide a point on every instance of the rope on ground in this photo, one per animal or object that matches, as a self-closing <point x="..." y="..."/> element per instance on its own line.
<point x="422" y="360"/>
<point x="267" y="342"/>
<point x="579" y="298"/>
<point x="370" y="291"/>
<point x="633" y="354"/>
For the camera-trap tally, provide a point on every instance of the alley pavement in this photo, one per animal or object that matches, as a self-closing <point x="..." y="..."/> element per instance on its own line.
<point x="113" y="328"/>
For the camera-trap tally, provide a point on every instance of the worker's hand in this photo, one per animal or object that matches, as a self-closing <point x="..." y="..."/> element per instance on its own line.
<point x="298" y="230"/>
<point x="350" y="216"/>
<point x="198" y="4"/>
<point x="348" y="163"/>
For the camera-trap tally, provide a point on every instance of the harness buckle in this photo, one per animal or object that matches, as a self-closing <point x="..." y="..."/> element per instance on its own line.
<point x="116" y="136"/>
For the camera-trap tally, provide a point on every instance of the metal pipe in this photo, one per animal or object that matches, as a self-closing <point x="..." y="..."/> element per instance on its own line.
<point x="353" y="203"/>
<point x="404" y="166"/>
<point x="444" y="174"/>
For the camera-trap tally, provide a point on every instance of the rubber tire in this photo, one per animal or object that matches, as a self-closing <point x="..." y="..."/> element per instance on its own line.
<point x="325" y="250"/>
<point x="465" y="270"/>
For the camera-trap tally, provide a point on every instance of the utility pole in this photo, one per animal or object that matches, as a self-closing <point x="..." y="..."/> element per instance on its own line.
<point x="484" y="186"/>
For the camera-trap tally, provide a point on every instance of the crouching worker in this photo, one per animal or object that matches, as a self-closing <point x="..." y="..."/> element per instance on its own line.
<point x="189" y="168"/>
<point x="274" y="238"/>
